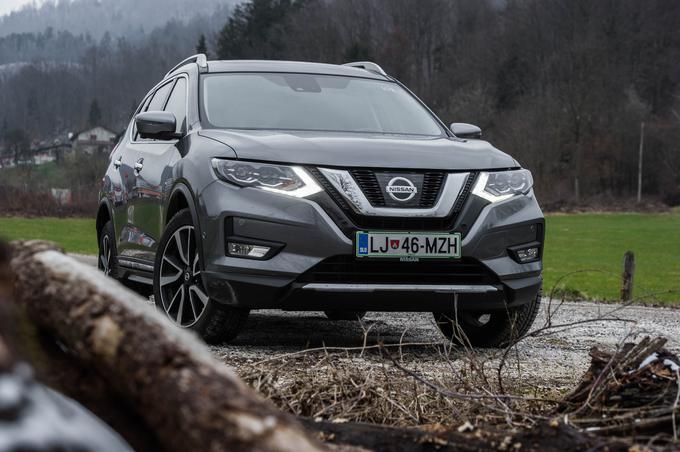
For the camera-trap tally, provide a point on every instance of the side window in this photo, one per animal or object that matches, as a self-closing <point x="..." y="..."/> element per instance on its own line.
<point x="156" y="103"/>
<point x="158" y="100"/>
<point x="139" y="110"/>
<point x="177" y="104"/>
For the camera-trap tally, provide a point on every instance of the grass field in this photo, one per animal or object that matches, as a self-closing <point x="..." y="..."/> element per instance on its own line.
<point x="76" y="235"/>
<point x="598" y="241"/>
<point x="591" y="244"/>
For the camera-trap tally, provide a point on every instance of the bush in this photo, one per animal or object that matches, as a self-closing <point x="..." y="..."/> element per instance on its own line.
<point x="26" y="202"/>
<point x="672" y="198"/>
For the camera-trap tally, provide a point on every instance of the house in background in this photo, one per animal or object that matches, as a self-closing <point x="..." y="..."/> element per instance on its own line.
<point x="95" y="140"/>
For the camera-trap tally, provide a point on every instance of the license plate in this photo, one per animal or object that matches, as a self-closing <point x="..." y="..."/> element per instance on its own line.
<point x="408" y="244"/>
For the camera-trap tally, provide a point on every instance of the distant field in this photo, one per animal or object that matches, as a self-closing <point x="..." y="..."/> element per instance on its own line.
<point x="593" y="242"/>
<point x="598" y="242"/>
<point x="76" y="235"/>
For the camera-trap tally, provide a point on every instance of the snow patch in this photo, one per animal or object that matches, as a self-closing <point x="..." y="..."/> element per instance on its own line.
<point x="671" y="364"/>
<point x="649" y="360"/>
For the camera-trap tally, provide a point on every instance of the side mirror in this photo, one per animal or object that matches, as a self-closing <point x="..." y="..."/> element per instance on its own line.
<point x="464" y="130"/>
<point x="157" y="124"/>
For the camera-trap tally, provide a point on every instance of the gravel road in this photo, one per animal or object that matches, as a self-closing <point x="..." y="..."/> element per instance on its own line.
<point x="556" y="359"/>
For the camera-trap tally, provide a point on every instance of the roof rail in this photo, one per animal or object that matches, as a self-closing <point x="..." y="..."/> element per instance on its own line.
<point x="368" y="66"/>
<point x="199" y="59"/>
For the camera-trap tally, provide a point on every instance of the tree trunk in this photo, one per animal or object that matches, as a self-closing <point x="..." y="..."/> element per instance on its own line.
<point x="190" y="400"/>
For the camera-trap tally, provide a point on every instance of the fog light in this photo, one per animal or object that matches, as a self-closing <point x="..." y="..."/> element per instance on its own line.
<point x="527" y="254"/>
<point x="247" y="250"/>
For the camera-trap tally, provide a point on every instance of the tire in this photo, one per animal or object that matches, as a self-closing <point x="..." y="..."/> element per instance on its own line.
<point x="106" y="257"/>
<point x="107" y="261"/>
<point x="178" y="286"/>
<point x="345" y="315"/>
<point x="488" y="329"/>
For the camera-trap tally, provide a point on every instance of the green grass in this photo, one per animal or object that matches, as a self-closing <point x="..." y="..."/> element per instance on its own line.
<point x="598" y="242"/>
<point x="574" y="243"/>
<point x="76" y="235"/>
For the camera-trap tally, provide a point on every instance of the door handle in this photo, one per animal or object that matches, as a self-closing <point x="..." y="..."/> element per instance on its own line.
<point x="139" y="165"/>
<point x="118" y="162"/>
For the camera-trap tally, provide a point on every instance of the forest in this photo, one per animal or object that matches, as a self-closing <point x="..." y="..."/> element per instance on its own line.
<point x="562" y="85"/>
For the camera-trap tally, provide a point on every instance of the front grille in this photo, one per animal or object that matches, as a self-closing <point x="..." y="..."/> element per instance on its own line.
<point x="348" y="269"/>
<point x="366" y="222"/>
<point x="432" y="184"/>
<point x="370" y="186"/>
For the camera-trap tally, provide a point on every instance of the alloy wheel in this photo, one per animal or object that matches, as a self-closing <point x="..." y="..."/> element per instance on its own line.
<point x="181" y="287"/>
<point x="105" y="255"/>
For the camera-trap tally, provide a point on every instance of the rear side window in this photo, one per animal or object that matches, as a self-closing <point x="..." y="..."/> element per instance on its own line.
<point x="177" y="103"/>
<point x="158" y="100"/>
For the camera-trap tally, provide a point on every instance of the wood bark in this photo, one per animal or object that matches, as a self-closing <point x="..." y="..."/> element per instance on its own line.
<point x="627" y="277"/>
<point x="190" y="400"/>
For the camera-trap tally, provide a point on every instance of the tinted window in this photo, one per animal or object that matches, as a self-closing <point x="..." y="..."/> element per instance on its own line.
<point x="178" y="102"/>
<point x="158" y="100"/>
<point x="313" y="102"/>
<point x="141" y="108"/>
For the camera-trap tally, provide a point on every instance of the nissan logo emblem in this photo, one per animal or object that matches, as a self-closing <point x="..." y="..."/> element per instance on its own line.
<point x="401" y="189"/>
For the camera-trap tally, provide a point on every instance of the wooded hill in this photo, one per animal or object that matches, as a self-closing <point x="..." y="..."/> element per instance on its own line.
<point x="563" y="85"/>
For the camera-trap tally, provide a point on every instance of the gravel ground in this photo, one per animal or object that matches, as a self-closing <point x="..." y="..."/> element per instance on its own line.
<point x="556" y="359"/>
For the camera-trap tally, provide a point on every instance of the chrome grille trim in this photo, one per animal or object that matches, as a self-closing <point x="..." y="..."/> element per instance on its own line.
<point x="348" y="188"/>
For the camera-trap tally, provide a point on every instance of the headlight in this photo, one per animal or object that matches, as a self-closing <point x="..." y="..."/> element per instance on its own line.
<point x="502" y="185"/>
<point x="287" y="180"/>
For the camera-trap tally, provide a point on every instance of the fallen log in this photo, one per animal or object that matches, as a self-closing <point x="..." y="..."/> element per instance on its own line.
<point x="190" y="400"/>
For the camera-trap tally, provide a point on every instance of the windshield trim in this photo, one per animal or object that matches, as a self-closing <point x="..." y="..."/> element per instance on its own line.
<point x="205" y="123"/>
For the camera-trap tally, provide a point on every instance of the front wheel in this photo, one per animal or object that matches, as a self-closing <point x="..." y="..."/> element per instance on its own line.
<point x="488" y="329"/>
<point x="178" y="286"/>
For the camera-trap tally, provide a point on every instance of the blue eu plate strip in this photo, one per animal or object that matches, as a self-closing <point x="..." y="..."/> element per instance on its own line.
<point x="362" y="244"/>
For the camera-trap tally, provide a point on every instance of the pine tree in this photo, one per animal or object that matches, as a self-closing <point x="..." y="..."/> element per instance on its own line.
<point x="95" y="115"/>
<point x="202" y="47"/>
<point x="256" y="29"/>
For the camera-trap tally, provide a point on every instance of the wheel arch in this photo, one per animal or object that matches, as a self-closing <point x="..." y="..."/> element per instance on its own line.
<point x="104" y="215"/>
<point x="181" y="197"/>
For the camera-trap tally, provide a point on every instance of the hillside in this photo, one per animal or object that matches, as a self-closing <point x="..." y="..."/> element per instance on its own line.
<point x="128" y="18"/>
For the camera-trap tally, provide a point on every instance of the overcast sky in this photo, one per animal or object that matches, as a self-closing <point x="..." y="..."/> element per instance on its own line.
<point x="7" y="6"/>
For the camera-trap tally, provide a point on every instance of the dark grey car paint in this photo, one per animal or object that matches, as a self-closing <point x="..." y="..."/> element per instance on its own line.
<point x="140" y="202"/>
<point x="362" y="150"/>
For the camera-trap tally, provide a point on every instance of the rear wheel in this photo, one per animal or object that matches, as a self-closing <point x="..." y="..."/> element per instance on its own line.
<point x="345" y="315"/>
<point x="488" y="329"/>
<point x="107" y="263"/>
<point x="179" y="290"/>
<point x="107" y="250"/>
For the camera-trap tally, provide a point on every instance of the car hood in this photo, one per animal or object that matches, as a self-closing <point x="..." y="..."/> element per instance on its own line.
<point x="362" y="150"/>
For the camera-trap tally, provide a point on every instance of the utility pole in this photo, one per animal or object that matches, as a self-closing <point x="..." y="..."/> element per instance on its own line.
<point x="642" y="143"/>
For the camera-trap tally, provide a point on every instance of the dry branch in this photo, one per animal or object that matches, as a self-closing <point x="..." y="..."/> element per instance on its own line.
<point x="631" y="391"/>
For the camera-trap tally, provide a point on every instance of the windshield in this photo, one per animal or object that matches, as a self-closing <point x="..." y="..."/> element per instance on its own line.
<point x="278" y="101"/>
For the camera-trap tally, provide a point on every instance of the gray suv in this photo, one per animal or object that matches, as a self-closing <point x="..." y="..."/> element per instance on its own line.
<point x="244" y="185"/>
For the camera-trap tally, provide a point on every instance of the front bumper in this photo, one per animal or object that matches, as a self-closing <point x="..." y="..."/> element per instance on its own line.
<point x="315" y="268"/>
